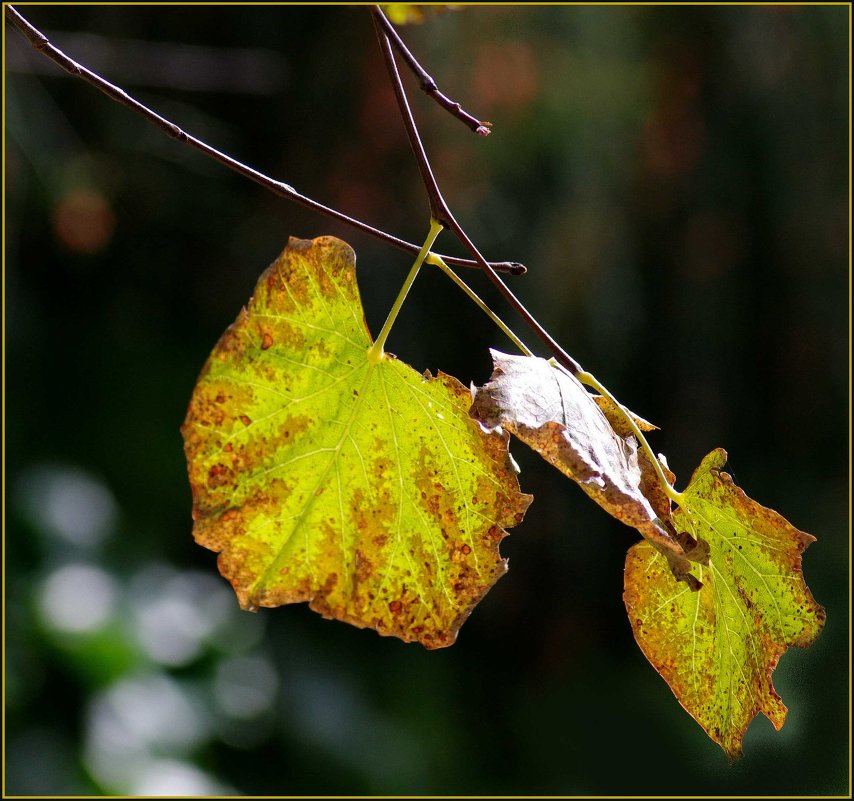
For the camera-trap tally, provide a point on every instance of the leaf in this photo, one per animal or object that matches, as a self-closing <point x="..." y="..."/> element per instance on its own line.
<point x="616" y="419"/>
<point x="679" y="560"/>
<point x="718" y="647"/>
<point x="552" y="412"/>
<point x="319" y="475"/>
<point x="408" y="14"/>
<point x="649" y="484"/>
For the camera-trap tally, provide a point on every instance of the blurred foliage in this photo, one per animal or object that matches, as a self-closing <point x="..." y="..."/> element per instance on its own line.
<point x="676" y="180"/>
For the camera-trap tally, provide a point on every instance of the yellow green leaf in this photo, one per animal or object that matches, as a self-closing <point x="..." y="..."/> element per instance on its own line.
<point x="717" y="647"/>
<point x="408" y="14"/>
<point x="355" y="484"/>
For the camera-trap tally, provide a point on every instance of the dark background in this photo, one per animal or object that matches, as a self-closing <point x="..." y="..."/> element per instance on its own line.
<point x="676" y="179"/>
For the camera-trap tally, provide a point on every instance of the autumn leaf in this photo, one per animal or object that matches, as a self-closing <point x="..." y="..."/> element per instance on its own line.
<point x="679" y="560"/>
<point x="355" y="484"/>
<point x="552" y="412"/>
<point x="408" y="13"/>
<point x="718" y="647"/>
<point x="649" y="484"/>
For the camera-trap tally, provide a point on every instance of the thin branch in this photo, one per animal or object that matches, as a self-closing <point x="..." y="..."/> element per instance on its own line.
<point x="440" y="211"/>
<point x="428" y="85"/>
<point x="40" y="42"/>
<point x="438" y="208"/>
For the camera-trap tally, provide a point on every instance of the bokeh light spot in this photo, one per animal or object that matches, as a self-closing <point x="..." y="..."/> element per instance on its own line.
<point x="245" y="687"/>
<point x="67" y="503"/>
<point x="83" y="221"/>
<point x="176" y="613"/>
<point x="77" y="598"/>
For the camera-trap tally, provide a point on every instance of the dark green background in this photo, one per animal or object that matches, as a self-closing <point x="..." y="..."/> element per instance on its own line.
<point x="676" y="179"/>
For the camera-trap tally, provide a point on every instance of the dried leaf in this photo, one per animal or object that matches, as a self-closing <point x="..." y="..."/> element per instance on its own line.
<point x="616" y="419"/>
<point x="554" y="414"/>
<point x="718" y="647"/>
<point x="651" y="489"/>
<point x="319" y="475"/>
<point x="649" y="485"/>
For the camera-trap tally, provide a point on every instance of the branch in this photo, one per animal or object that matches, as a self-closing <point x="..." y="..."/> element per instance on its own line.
<point x="428" y="85"/>
<point x="438" y="208"/>
<point x="442" y="214"/>
<point x="40" y="42"/>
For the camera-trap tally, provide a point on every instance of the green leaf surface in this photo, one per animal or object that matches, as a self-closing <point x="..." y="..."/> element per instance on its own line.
<point x="717" y="647"/>
<point x="409" y="13"/>
<point x="355" y="484"/>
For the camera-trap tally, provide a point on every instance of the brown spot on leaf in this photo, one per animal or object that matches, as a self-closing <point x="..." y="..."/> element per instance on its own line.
<point x="219" y="475"/>
<point x="278" y="542"/>
<point x="756" y="567"/>
<point x="363" y="566"/>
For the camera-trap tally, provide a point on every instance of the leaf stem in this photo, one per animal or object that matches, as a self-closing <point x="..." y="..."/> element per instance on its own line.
<point x="376" y="352"/>
<point x="591" y="381"/>
<point x="41" y="43"/>
<point x="559" y="353"/>
<point x="428" y="85"/>
<point x="438" y="261"/>
<point x="439" y="209"/>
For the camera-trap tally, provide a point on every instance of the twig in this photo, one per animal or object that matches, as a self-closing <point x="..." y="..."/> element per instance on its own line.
<point x="440" y="211"/>
<point x="40" y="42"/>
<point x="428" y="85"/>
<point x="438" y="208"/>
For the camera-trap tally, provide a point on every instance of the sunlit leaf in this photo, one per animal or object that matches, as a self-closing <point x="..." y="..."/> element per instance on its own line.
<point x="718" y="647"/>
<point x="408" y="13"/>
<point x="679" y="560"/>
<point x="320" y="475"/>
<point x="554" y="414"/>
<point x="649" y="484"/>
